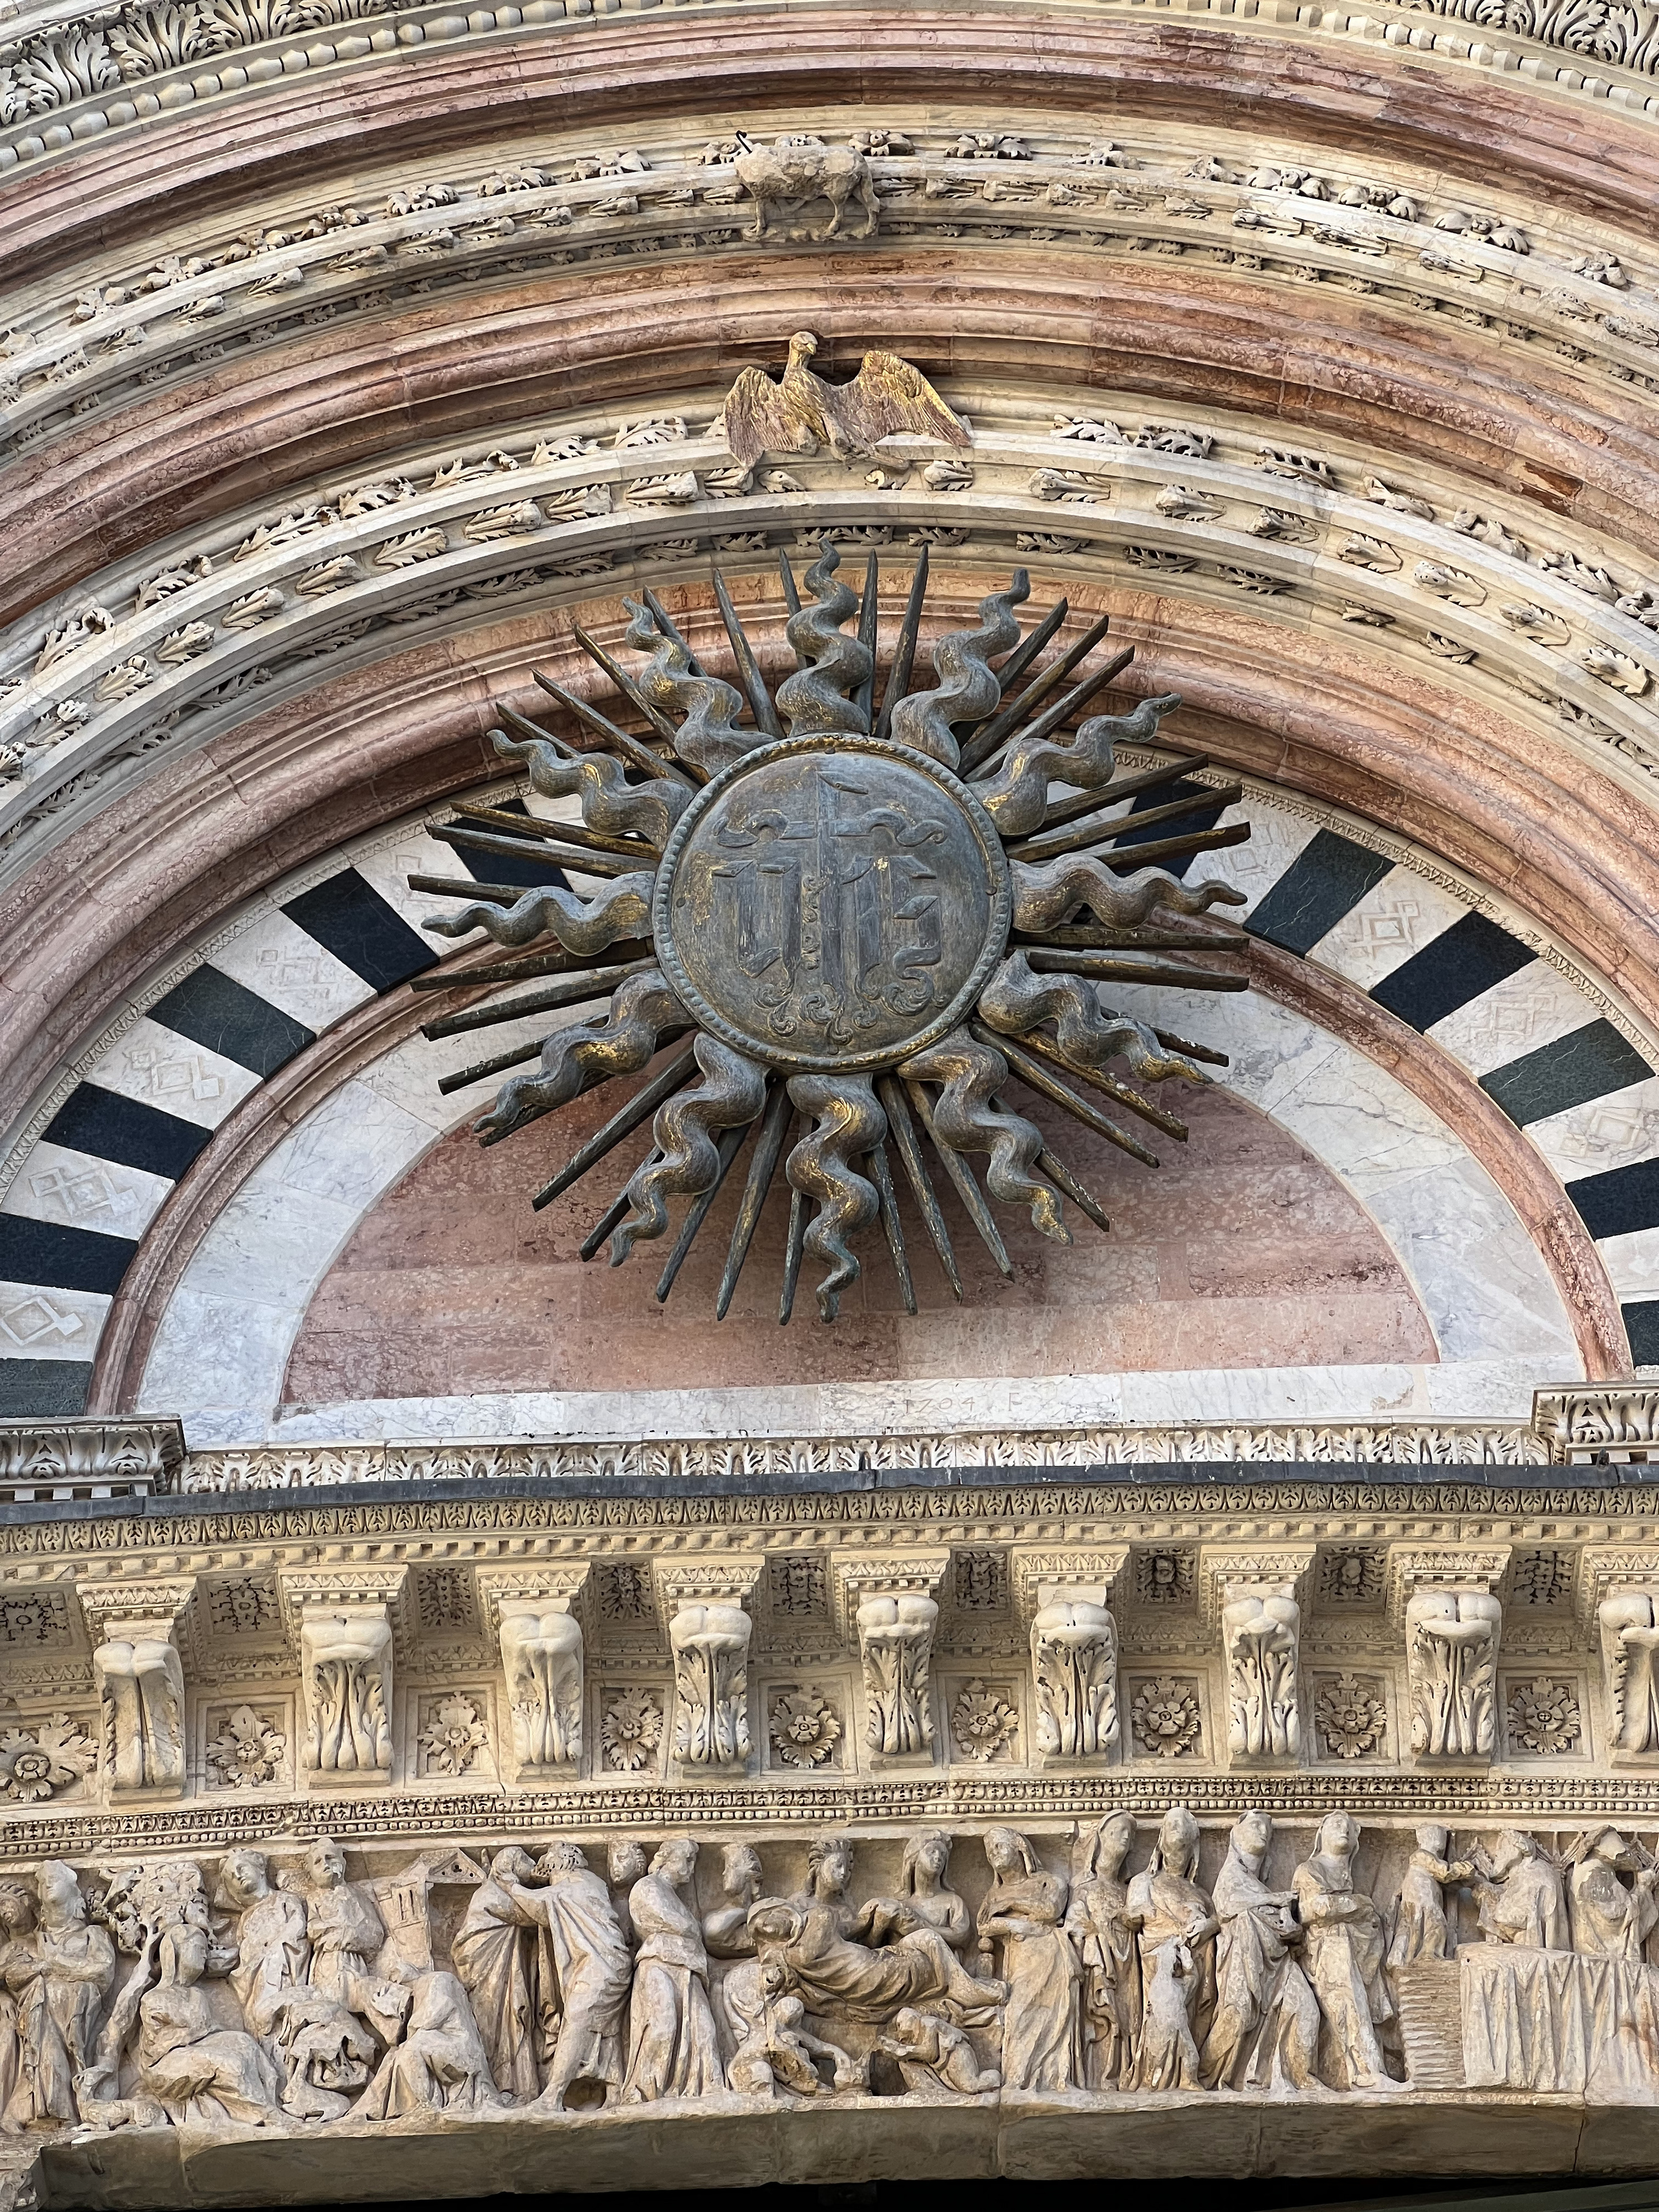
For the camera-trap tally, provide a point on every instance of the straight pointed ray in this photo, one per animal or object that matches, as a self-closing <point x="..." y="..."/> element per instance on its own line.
<point x="791" y="598"/>
<point x="1080" y="1193"/>
<point x="455" y="887"/>
<point x="634" y="750"/>
<point x="1098" y="938"/>
<point x="793" y="1252"/>
<point x="967" y="1189"/>
<point x="882" y="1175"/>
<point x="665" y="622"/>
<point x="480" y="1068"/>
<point x="891" y="1092"/>
<point x="1108" y="967"/>
<point x="904" y="655"/>
<point x="625" y="683"/>
<point x="573" y="991"/>
<point x="869" y="612"/>
<point x="1069" y="702"/>
<point x="754" y="684"/>
<point x="639" y="1108"/>
<point x="1036" y="1077"/>
<point x="1027" y="651"/>
<point x="534" y="730"/>
<point x="569" y="833"/>
<point x="769" y="1146"/>
<point x="1124" y="787"/>
<point x="1170" y="848"/>
<point x="1010" y="717"/>
<point x="731" y="1143"/>
<point x="553" y="858"/>
<point x="537" y="964"/>
<point x="599" y="1235"/>
<point x="1046" y="847"/>
<point x="1170" y="1042"/>
<point x="1108" y="1085"/>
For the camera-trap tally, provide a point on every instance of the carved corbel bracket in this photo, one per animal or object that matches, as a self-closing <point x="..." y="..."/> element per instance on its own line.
<point x="891" y="1611"/>
<point x="1446" y="1602"/>
<point x="1450" y="1566"/>
<point x="348" y="1620"/>
<point x="1064" y="1600"/>
<point x="138" y="1671"/>
<point x="1617" y="1598"/>
<point x="1252" y="1601"/>
<point x="707" y="1601"/>
<point x="536" y="1614"/>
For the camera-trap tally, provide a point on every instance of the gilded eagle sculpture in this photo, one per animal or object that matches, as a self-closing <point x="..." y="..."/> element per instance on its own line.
<point x="859" y="914"/>
<point x="802" y="412"/>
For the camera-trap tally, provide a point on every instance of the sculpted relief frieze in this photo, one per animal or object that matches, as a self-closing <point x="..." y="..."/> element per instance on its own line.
<point x="316" y="1992"/>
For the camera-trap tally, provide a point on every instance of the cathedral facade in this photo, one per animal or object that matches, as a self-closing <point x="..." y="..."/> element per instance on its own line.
<point x="830" y="1205"/>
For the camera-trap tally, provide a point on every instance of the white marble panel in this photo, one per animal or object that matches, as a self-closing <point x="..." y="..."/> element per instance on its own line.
<point x="255" y="1272"/>
<point x="1632" y="1263"/>
<point x="79" y="1191"/>
<point x="1483" y="1283"/>
<point x="352" y="1146"/>
<point x="1396" y="918"/>
<point x="50" y="1324"/>
<point x="1475" y="1390"/>
<point x="225" y="1353"/>
<point x="1525" y="1013"/>
<point x="408" y="1077"/>
<point x="1275" y="841"/>
<point x="276" y="959"/>
<point x="1269" y="1050"/>
<point x="158" y="1067"/>
<point x="416" y="853"/>
<point x="1607" y="1133"/>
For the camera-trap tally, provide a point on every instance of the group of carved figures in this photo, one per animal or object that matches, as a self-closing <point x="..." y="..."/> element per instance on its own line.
<point x="280" y="1998"/>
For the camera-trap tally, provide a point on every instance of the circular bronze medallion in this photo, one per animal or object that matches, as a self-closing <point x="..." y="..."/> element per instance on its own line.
<point x="831" y="902"/>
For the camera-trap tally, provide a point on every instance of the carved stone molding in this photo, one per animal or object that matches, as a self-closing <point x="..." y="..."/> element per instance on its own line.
<point x="1616" y="1424"/>
<point x="89" y="1459"/>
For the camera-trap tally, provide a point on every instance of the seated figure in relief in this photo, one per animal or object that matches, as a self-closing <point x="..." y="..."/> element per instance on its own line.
<point x="934" y="2058"/>
<point x="198" y="2070"/>
<point x="322" y="2050"/>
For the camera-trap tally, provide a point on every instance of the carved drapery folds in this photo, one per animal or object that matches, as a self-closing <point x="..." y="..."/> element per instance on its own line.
<point x="293" y="1987"/>
<point x="139" y="1677"/>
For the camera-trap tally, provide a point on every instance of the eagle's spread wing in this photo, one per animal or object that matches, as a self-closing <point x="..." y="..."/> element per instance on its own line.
<point x="761" y="418"/>
<point x="889" y="394"/>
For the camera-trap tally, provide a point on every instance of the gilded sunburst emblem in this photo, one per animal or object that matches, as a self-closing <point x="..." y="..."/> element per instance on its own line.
<point x="869" y="920"/>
